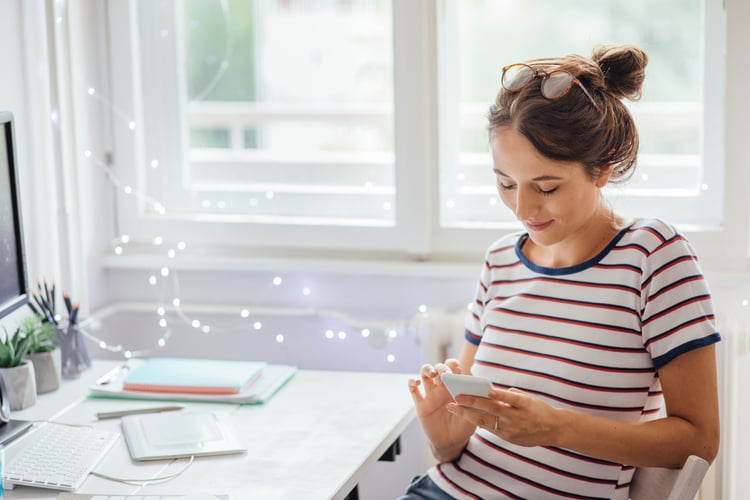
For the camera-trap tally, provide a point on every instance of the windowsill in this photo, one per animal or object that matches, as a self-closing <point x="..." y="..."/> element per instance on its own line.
<point x="281" y="260"/>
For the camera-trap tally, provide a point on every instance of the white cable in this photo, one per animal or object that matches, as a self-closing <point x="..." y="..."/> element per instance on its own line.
<point x="143" y="482"/>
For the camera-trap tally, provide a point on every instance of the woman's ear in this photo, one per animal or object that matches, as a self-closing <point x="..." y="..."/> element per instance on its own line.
<point x="604" y="175"/>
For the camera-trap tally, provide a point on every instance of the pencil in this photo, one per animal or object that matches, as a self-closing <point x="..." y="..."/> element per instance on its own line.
<point x="66" y="299"/>
<point x="48" y="296"/>
<point x="74" y="314"/>
<point x="37" y="311"/>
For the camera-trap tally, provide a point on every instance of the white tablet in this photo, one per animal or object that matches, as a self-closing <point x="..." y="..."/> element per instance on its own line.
<point x="157" y="436"/>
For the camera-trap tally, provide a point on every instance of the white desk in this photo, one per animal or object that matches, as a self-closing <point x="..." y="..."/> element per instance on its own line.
<point x="313" y="440"/>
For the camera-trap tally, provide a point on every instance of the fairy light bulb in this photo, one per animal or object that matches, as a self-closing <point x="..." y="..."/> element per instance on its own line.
<point x="365" y="332"/>
<point x="244" y="313"/>
<point x="329" y="334"/>
<point x="279" y="338"/>
<point x="257" y="325"/>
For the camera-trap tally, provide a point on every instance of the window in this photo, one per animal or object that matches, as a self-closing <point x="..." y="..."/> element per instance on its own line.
<point x="269" y="111"/>
<point x="359" y="124"/>
<point x="678" y="160"/>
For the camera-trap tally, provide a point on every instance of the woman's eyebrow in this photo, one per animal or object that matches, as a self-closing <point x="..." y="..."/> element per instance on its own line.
<point x="541" y="178"/>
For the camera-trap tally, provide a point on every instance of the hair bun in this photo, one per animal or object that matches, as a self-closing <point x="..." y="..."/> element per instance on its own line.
<point x="623" y="67"/>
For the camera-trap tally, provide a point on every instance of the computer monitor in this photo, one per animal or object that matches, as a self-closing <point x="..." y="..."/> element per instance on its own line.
<point x="13" y="279"/>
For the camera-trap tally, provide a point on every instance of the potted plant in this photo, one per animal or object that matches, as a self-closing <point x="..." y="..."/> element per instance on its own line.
<point x="17" y="372"/>
<point x="43" y="353"/>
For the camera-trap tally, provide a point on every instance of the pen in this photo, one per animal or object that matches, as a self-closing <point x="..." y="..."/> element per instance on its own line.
<point x="137" y="411"/>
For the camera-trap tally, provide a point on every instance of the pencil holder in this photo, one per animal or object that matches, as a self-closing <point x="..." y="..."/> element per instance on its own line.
<point x="74" y="354"/>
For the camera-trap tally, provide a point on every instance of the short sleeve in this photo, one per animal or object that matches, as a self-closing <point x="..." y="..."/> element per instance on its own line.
<point x="473" y="329"/>
<point x="677" y="310"/>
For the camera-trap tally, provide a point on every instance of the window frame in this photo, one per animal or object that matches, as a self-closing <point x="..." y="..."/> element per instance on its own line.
<point x="419" y="33"/>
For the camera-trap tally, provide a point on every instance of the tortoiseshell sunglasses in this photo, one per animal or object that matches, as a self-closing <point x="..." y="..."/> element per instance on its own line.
<point x="554" y="85"/>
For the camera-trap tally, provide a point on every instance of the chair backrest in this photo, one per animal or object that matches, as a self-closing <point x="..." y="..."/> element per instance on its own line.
<point x="655" y="483"/>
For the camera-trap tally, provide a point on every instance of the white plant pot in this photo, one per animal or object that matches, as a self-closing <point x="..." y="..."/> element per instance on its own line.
<point x="47" y="370"/>
<point x="21" y="385"/>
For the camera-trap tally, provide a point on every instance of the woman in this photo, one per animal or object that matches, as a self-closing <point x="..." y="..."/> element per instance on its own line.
<point x="597" y="332"/>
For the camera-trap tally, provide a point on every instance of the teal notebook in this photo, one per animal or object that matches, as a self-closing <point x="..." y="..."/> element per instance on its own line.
<point x="193" y="376"/>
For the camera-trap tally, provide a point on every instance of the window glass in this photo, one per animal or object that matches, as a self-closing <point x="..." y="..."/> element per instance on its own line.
<point x="269" y="110"/>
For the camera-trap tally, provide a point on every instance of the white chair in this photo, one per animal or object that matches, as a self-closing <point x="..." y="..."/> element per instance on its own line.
<point x="656" y="483"/>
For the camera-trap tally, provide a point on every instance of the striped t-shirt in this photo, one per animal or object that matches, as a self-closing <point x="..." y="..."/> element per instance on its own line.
<point x="589" y="338"/>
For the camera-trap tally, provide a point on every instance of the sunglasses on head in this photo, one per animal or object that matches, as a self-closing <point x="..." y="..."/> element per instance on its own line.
<point x="554" y="85"/>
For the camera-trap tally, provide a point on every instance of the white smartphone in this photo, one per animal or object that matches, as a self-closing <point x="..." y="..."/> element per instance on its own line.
<point x="466" y="384"/>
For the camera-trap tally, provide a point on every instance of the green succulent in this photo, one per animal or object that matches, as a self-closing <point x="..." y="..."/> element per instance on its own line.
<point x="13" y="348"/>
<point x="42" y="334"/>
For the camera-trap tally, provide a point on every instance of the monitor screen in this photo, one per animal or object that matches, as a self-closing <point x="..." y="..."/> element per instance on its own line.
<point x="13" y="282"/>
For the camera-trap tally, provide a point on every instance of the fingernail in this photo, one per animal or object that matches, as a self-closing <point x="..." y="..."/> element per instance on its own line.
<point x="451" y="407"/>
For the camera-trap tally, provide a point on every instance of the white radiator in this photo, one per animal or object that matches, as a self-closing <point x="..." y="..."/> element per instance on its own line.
<point x="440" y="333"/>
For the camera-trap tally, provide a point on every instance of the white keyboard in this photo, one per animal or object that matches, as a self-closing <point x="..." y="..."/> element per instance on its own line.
<point x="57" y="456"/>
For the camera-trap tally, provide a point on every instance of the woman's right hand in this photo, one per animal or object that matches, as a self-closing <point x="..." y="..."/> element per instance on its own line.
<point x="447" y="432"/>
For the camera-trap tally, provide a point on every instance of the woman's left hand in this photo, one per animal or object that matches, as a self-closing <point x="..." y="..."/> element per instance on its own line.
<point x="511" y="414"/>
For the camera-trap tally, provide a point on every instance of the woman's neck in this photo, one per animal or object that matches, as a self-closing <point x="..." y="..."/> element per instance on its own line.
<point x="577" y="248"/>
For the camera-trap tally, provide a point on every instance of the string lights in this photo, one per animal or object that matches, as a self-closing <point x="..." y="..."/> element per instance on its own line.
<point x="379" y="334"/>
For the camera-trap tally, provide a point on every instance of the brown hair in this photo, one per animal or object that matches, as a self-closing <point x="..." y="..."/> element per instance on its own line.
<point x="570" y="128"/>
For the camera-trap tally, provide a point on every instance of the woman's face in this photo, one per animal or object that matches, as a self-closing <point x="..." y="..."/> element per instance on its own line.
<point x="555" y="200"/>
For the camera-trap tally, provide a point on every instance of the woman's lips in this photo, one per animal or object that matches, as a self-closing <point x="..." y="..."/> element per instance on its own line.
<point x="537" y="226"/>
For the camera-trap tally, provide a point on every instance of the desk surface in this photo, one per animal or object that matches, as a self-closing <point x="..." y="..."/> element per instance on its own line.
<point x="314" y="439"/>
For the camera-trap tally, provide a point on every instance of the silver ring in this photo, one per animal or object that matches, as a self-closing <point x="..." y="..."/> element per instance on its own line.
<point x="497" y="422"/>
